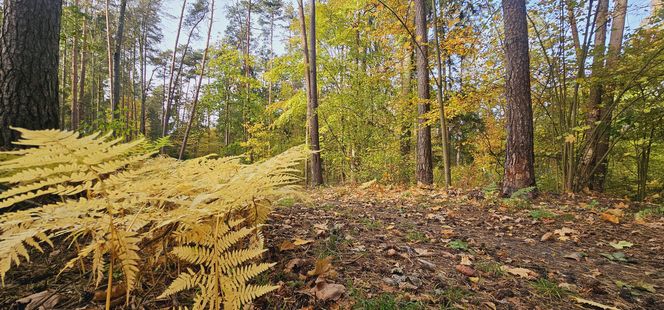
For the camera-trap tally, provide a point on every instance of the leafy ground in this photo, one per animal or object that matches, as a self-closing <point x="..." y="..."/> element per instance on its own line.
<point x="373" y="247"/>
<point x="384" y="248"/>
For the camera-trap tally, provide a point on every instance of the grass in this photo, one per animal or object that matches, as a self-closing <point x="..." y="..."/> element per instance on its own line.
<point x="371" y="224"/>
<point x="490" y="267"/>
<point x="458" y="245"/>
<point x="286" y="202"/>
<point x="549" y="289"/>
<point x="541" y="214"/>
<point x="416" y="236"/>
<point x="451" y="296"/>
<point x="385" y="301"/>
<point x="649" y="213"/>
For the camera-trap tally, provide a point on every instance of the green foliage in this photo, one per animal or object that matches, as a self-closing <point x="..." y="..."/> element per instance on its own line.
<point x="458" y="245"/>
<point x="541" y="214"/>
<point x="549" y="289"/>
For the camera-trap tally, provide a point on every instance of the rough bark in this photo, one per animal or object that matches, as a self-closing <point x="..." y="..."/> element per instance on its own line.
<point x="116" y="57"/>
<point x="75" y="117"/>
<point x="314" y="140"/>
<point x="520" y="157"/>
<point x="29" y="50"/>
<point x="424" y="173"/>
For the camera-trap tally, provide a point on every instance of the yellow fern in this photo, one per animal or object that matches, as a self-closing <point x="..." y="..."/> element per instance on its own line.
<point x="118" y="202"/>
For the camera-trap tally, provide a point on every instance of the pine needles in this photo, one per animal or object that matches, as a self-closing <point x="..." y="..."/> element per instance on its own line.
<point x="116" y="201"/>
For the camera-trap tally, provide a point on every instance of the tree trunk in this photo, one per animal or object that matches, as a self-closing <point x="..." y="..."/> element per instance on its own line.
<point x="109" y="53"/>
<point x="74" y="80"/>
<point x="198" y="86"/>
<point x="81" y="88"/>
<point x="29" y="50"/>
<point x="167" y="107"/>
<point x="590" y="154"/>
<point x="443" y="120"/>
<point x="520" y="156"/>
<point x="116" y="56"/>
<point x="424" y="174"/>
<point x="600" y="170"/>
<point x="312" y="111"/>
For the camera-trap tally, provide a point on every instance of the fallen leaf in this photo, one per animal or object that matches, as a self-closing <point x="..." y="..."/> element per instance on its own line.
<point x="621" y="244"/>
<point x="521" y="272"/>
<point x="328" y="291"/>
<point x="286" y="246"/>
<point x="422" y="252"/>
<point x="616" y="256"/>
<point x="465" y="270"/>
<point x="299" y="241"/>
<point x="322" y="266"/>
<point x="546" y="236"/>
<point x="592" y="303"/>
<point x="565" y="233"/>
<point x="645" y="287"/>
<point x="44" y="300"/>
<point x="465" y="260"/>
<point x="610" y="218"/>
<point x="575" y="256"/>
<point x="622" y="205"/>
<point x="366" y="185"/>
<point x="292" y="264"/>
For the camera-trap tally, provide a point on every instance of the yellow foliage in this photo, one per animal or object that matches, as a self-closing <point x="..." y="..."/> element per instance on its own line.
<point x="119" y="204"/>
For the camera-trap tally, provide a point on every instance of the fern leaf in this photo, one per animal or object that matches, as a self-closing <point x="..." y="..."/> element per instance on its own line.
<point x="185" y="281"/>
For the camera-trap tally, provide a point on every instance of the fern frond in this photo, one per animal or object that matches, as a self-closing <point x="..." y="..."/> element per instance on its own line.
<point x="233" y="259"/>
<point x="126" y="248"/>
<point x="185" y="281"/>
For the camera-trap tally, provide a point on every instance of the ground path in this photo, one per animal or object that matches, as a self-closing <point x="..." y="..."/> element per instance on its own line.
<point x="389" y="248"/>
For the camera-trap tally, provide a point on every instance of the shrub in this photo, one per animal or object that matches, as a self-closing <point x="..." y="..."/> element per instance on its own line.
<point x="122" y="206"/>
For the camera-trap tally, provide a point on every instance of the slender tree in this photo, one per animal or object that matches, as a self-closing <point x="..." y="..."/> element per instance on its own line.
<point x="589" y="156"/>
<point x="192" y="115"/>
<point x="520" y="156"/>
<point x="441" y="103"/>
<point x="167" y="107"/>
<point x="424" y="163"/>
<point x="29" y="46"/>
<point x="116" y="57"/>
<point x="312" y="108"/>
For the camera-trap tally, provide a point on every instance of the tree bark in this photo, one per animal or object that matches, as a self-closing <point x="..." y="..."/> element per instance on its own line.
<point x="424" y="173"/>
<point x="75" y="117"/>
<point x="520" y="156"/>
<point x="116" y="56"/>
<point x="30" y="43"/>
<point x="312" y="111"/>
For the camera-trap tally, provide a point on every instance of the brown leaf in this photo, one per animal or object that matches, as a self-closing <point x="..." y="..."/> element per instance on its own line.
<point x="294" y="263"/>
<point x="546" y="236"/>
<point x="328" y="291"/>
<point x="299" y="241"/>
<point x="521" y="272"/>
<point x="286" y="246"/>
<point x="610" y="218"/>
<point x="322" y="267"/>
<point x="465" y="270"/>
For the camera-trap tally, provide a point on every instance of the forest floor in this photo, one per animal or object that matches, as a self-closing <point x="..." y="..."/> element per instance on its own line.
<point x="376" y="247"/>
<point x="391" y="248"/>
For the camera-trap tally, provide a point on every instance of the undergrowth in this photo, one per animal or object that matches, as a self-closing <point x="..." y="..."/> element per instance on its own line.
<point x="122" y="208"/>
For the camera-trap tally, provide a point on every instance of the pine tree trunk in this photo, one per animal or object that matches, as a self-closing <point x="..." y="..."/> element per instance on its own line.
<point x="74" y="81"/>
<point x="424" y="173"/>
<point x="520" y="156"/>
<point x="29" y="50"/>
<point x="116" y="56"/>
<point x="314" y="140"/>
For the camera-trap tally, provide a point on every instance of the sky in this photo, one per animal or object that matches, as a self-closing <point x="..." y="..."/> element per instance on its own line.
<point x="637" y="10"/>
<point x="171" y="13"/>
